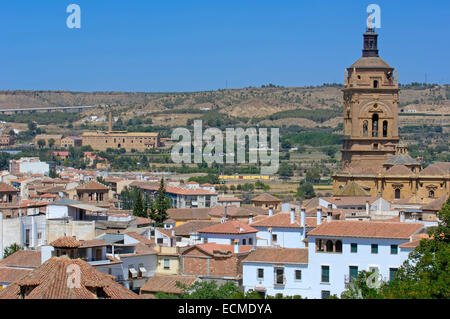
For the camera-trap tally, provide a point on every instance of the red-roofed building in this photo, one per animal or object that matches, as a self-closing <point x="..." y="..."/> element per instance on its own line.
<point x="228" y="232"/>
<point x="211" y="261"/>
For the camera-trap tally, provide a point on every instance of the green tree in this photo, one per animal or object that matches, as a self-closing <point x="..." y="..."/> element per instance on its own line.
<point x="32" y="126"/>
<point x="161" y="204"/>
<point x="41" y="143"/>
<point x="305" y="190"/>
<point x="313" y="176"/>
<point x="52" y="173"/>
<point x="425" y="274"/>
<point x="285" y="170"/>
<point x="51" y="142"/>
<point x="11" y="250"/>
<point x="138" y="207"/>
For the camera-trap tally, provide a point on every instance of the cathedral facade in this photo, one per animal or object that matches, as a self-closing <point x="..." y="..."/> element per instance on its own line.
<point x="373" y="156"/>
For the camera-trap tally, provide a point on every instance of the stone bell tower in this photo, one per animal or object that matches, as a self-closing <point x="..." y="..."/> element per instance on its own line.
<point x="370" y="108"/>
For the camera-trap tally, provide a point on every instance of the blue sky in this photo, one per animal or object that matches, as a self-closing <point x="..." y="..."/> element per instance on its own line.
<point x="153" y="46"/>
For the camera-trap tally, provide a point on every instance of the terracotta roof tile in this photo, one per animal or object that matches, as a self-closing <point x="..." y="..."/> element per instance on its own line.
<point x="50" y="282"/>
<point x="11" y="274"/>
<point x="229" y="227"/>
<point x="167" y="283"/>
<point x="23" y="258"/>
<point x="266" y="198"/>
<point x="192" y="226"/>
<point x="92" y="185"/>
<point x="7" y="188"/>
<point x="213" y="248"/>
<point x="278" y="255"/>
<point x="66" y="242"/>
<point x="366" y="229"/>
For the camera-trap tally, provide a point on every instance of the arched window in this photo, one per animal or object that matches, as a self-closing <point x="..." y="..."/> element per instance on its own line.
<point x="329" y="246"/>
<point x="431" y="194"/>
<point x="385" y="128"/>
<point x="375" y="84"/>
<point x="375" y="125"/>
<point x="338" y="246"/>
<point x="397" y="193"/>
<point x="365" y="127"/>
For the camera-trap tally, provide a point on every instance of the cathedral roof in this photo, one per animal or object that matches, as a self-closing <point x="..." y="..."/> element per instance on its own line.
<point x="370" y="62"/>
<point x="399" y="170"/>
<point x="436" y="205"/>
<point x="438" y="168"/>
<point x="401" y="159"/>
<point x="352" y="189"/>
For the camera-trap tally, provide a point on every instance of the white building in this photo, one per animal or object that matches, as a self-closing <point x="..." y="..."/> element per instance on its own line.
<point x="271" y="271"/>
<point x="229" y="233"/>
<point x="29" y="165"/>
<point x="286" y="230"/>
<point x="337" y="251"/>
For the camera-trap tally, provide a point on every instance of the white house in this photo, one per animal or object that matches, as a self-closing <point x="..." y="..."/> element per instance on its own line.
<point x="287" y="230"/>
<point x="66" y="208"/>
<point x="338" y="250"/>
<point x="228" y="233"/>
<point x="272" y="271"/>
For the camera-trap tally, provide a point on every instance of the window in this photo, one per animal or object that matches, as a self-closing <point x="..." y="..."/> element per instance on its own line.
<point x="325" y="274"/>
<point x="260" y="273"/>
<point x="397" y="193"/>
<point x="392" y="272"/>
<point x="250" y="241"/>
<point x="244" y="241"/>
<point x="374" y="269"/>
<point x="385" y="128"/>
<point x="365" y="128"/>
<point x="325" y="294"/>
<point x="298" y="274"/>
<point x="431" y="194"/>
<point x="375" y="125"/>
<point x="394" y="249"/>
<point x="159" y="240"/>
<point x="374" y="249"/>
<point x="375" y="84"/>
<point x="353" y="272"/>
<point x="319" y="245"/>
<point x="166" y="263"/>
<point x="354" y="247"/>
<point x="274" y="238"/>
<point x="329" y="246"/>
<point x="279" y="274"/>
<point x="338" y="246"/>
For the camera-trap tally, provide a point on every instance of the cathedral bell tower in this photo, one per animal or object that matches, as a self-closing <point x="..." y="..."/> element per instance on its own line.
<point x="370" y="108"/>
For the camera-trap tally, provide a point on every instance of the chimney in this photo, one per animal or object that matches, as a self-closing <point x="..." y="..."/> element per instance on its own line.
<point x="367" y="208"/>
<point x="271" y="211"/>
<point x="250" y="219"/>
<point x="226" y="208"/>
<point x="33" y="232"/>
<point x="270" y="236"/>
<point x="319" y="215"/>
<point x="303" y="216"/>
<point x="109" y="122"/>
<point x="329" y="216"/>
<point x="236" y="246"/>
<point x="292" y="214"/>
<point x="402" y="216"/>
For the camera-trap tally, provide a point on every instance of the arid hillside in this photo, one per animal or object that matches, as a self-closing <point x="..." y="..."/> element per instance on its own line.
<point x="278" y="106"/>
